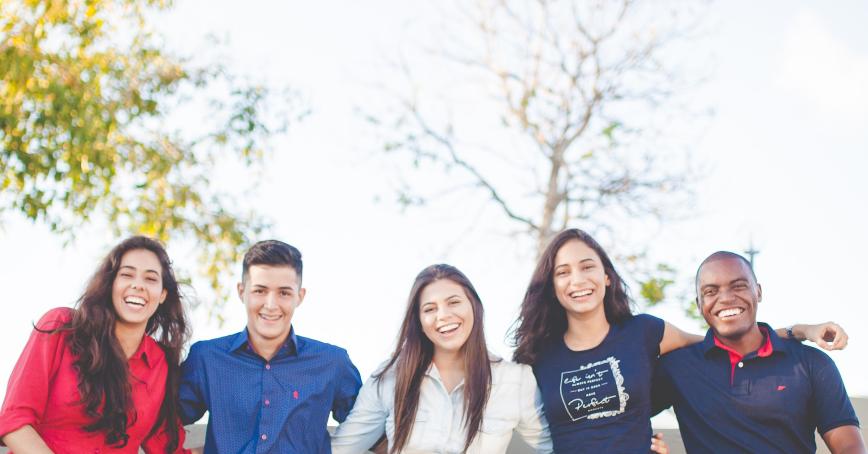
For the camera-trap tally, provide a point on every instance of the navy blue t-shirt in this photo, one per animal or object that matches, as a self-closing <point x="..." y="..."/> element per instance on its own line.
<point x="765" y="404"/>
<point x="599" y="400"/>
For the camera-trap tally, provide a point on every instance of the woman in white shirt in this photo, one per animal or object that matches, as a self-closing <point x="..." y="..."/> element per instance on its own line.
<point x="441" y="390"/>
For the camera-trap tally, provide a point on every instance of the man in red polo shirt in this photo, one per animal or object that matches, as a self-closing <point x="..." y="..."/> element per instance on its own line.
<point x="744" y="389"/>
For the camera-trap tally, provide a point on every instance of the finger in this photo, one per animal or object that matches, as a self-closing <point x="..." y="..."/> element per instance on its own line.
<point x="840" y="341"/>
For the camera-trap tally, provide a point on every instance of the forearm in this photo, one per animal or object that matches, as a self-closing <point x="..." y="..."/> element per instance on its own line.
<point x="799" y="332"/>
<point x="26" y="441"/>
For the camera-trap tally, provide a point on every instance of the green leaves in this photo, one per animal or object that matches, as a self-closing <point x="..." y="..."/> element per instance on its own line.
<point x="85" y="98"/>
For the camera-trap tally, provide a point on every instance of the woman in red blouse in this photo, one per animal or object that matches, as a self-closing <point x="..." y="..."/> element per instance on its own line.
<point x="93" y="379"/>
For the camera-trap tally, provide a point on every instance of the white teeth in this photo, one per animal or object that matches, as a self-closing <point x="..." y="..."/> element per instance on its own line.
<point x="135" y="300"/>
<point x="730" y="312"/>
<point x="449" y="327"/>
<point x="581" y="293"/>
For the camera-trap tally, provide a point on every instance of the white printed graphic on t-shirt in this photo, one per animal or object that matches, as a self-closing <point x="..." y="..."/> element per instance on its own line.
<point x="595" y="390"/>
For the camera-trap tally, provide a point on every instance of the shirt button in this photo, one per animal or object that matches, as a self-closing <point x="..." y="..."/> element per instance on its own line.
<point x="267" y="402"/>
<point x="267" y="366"/>
<point x="264" y="437"/>
<point x="740" y="364"/>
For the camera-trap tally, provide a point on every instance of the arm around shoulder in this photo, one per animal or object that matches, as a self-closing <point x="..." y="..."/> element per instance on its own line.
<point x="675" y="338"/>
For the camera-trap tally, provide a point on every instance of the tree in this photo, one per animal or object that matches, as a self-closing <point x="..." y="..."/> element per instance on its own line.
<point x="557" y="112"/>
<point x="91" y="128"/>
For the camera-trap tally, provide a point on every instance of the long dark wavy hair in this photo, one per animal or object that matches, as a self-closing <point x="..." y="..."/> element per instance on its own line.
<point x="542" y="319"/>
<point x="103" y="373"/>
<point x="414" y="353"/>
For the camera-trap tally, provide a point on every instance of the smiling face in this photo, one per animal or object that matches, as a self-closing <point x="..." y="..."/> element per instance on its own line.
<point x="446" y="315"/>
<point x="579" y="279"/>
<point x="728" y="297"/>
<point x="137" y="290"/>
<point x="271" y="294"/>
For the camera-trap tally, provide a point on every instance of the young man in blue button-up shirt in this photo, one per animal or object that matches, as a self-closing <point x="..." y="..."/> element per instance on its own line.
<point x="266" y="389"/>
<point x="744" y="389"/>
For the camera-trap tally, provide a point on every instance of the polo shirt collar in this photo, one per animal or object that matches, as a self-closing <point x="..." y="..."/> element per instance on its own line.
<point x="772" y="342"/>
<point x="290" y="347"/>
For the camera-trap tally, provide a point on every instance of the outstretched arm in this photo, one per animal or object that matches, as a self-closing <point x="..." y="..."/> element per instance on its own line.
<point x="829" y="336"/>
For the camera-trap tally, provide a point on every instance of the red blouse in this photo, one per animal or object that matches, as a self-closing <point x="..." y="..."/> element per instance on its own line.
<point x="43" y="392"/>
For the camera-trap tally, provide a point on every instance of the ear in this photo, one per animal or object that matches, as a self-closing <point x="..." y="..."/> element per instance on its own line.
<point x="240" y="287"/>
<point x="759" y="292"/>
<point x="608" y="282"/>
<point x="301" y="292"/>
<point x="163" y="295"/>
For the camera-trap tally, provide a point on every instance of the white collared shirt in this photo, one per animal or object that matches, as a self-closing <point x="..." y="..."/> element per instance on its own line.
<point x="514" y="403"/>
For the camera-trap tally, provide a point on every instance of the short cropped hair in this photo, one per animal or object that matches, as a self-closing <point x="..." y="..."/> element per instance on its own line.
<point x="723" y="255"/>
<point x="272" y="253"/>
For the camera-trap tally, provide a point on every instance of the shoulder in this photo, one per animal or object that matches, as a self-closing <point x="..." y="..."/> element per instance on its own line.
<point x="808" y="354"/>
<point x="204" y="347"/>
<point x="310" y="346"/>
<point x="647" y="321"/>
<point x="55" y="318"/>
<point x="504" y="371"/>
<point x="681" y="356"/>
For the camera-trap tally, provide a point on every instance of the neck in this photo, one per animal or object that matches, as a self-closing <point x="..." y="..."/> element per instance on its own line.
<point x="450" y="365"/>
<point x="586" y="331"/>
<point x="130" y="337"/>
<point x="745" y="343"/>
<point x="448" y="361"/>
<point x="266" y="348"/>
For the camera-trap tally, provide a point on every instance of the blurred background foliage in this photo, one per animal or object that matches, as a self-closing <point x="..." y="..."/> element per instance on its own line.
<point x="88" y="103"/>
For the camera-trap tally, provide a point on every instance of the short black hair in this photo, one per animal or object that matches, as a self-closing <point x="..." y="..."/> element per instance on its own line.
<point x="722" y="255"/>
<point x="272" y="253"/>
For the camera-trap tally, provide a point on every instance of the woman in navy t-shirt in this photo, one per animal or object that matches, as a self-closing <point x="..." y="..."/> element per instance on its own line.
<point x="592" y="358"/>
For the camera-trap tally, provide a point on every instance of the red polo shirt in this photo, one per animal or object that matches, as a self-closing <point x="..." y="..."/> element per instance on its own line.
<point x="43" y="392"/>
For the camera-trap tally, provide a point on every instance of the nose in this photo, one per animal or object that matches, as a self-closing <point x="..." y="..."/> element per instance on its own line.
<point x="443" y="312"/>
<point x="577" y="277"/>
<point x="270" y="299"/>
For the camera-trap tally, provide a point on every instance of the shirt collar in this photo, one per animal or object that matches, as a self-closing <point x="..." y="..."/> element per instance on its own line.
<point x="149" y="350"/>
<point x="771" y="344"/>
<point x="242" y="341"/>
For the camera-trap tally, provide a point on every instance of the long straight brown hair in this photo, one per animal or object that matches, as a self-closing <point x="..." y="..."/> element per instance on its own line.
<point x="103" y="372"/>
<point x="414" y="353"/>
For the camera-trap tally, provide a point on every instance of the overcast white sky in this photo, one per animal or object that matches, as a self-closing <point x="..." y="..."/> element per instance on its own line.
<point x="787" y="153"/>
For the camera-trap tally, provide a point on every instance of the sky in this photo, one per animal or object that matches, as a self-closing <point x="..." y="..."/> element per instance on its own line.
<point x="784" y="158"/>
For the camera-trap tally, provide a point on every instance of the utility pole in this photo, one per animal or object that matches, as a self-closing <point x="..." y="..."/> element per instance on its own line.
<point x="751" y="251"/>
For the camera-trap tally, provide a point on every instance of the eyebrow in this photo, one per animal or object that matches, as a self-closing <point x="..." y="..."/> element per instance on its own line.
<point x="589" y="259"/>
<point x="283" y="287"/>
<point x="134" y="269"/>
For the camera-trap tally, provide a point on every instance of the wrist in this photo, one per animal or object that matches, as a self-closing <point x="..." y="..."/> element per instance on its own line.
<point x="796" y="332"/>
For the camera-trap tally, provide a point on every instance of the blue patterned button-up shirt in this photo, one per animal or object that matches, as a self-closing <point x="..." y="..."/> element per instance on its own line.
<point x="259" y="406"/>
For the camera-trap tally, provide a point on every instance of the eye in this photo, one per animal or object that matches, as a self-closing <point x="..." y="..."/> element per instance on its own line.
<point x="126" y="274"/>
<point x="588" y="267"/>
<point x="739" y="286"/>
<point x="258" y="291"/>
<point x="152" y="279"/>
<point x="561" y="273"/>
<point x="709" y="292"/>
<point x="286" y="293"/>
<point x="427" y="309"/>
